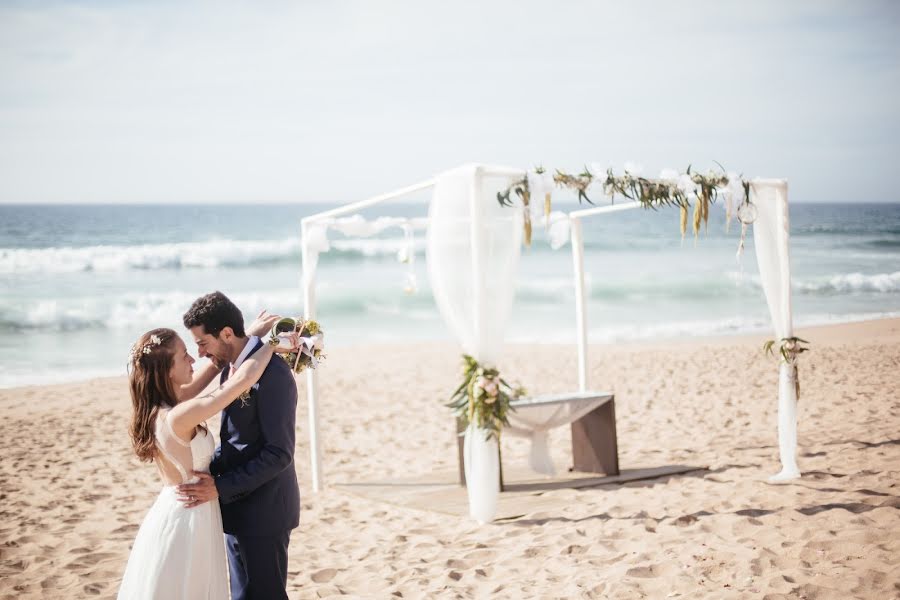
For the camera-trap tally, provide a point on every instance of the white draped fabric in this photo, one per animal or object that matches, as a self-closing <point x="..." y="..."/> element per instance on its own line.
<point x="771" y="232"/>
<point x="535" y="417"/>
<point x="356" y="226"/>
<point x="473" y="254"/>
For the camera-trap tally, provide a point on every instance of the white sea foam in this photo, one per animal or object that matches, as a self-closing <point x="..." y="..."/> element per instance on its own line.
<point x="841" y="283"/>
<point x="185" y="255"/>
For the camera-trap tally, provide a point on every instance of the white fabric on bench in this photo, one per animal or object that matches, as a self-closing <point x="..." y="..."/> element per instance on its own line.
<point x="534" y="417"/>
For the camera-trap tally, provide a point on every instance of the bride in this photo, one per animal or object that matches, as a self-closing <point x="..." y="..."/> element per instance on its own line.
<point x="179" y="552"/>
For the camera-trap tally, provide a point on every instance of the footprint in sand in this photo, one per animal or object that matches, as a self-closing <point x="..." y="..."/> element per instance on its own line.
<point x="324" y="575"/>
<point x="457" y="564"/>
<point x="481" y="556"/>
<point x="130" y="528"/>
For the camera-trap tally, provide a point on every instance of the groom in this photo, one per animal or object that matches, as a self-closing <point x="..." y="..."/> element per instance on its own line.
<point x="253" y="469"/>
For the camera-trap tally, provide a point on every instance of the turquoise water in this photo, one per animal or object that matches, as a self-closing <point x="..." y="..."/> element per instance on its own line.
<point x="79" y="283"/>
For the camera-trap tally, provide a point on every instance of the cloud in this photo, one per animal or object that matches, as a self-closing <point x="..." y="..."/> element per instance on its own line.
<point x="337" y="101"/>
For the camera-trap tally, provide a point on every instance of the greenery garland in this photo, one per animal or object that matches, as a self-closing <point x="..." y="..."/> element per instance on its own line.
<point x="789" y="350"/>
<point x="483" y="398"/>
<point x="651" y="193"/>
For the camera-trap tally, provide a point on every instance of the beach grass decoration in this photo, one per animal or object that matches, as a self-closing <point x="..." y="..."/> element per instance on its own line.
<point x="311" y="351"/>
<point x="483" y="398"/>
<point x="672" y="189"/>
<point x="789" y="350"/>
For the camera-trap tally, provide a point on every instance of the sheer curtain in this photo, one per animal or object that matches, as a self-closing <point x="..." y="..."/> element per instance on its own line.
<point x="473" y="253"/>
<point x="771" y="234"/>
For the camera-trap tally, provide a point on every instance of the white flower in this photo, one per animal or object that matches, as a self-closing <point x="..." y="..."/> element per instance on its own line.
<point x="736" y="187"/>
<point x="154" y="339"/>
<point x="668" y="175"/>
<point x="634" y="169"/>
<point x="535" y="183"/>
<point x="686" y="184"/>
<point x="558" y="231"/>
<point x="548" y="182"/>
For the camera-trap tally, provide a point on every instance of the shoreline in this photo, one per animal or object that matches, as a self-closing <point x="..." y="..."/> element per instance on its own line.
<point x="830" y="331"/>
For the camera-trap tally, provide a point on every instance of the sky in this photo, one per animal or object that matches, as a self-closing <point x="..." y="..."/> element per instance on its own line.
<point x="179" y="102"/>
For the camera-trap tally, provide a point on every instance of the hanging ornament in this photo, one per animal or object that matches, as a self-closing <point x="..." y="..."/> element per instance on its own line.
<point x="407" y="254"/>
<point x="746" y="214"/>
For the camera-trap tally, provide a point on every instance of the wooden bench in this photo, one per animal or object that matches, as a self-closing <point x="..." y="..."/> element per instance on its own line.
<point x="594" y="444"/>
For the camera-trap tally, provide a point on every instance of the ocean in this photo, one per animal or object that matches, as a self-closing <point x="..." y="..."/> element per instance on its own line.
<point x="80" y="283"/>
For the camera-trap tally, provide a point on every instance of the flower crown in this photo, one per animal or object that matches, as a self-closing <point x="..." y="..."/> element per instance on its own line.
<point x="138" y="351"/>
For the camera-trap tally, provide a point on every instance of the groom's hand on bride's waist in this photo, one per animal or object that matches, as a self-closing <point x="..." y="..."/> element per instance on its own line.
<point x="195" y="494"/>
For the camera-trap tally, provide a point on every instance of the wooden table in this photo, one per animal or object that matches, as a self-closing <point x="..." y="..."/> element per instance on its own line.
<point x="595" y="446"/>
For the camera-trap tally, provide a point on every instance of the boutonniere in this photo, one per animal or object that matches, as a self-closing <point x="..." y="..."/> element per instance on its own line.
<point x="245" y="397"/>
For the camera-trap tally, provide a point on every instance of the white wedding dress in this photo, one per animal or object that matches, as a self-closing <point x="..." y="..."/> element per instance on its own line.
<point x="179" y="553"/>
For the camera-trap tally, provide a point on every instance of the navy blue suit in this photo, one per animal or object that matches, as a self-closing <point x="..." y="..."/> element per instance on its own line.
<point x="254" y="473"/>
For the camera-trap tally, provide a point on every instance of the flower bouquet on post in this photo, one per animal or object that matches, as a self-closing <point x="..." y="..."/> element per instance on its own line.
<point x="483" y="398"/>
<point x="312" y="342"/>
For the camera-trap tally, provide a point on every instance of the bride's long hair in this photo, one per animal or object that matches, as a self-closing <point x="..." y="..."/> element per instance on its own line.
<point x="151" y="387"/>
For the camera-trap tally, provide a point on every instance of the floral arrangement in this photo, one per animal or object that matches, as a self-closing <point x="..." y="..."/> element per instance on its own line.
<point x="670" y="189"/>
<point x="138" y="351"/>
<point x="791" y="348"/>
<point x="483" y="398"/>
<point x="312" y="344"/>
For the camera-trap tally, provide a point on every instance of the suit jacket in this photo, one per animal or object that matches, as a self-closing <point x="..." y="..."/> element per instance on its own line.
<point x="254" y="464"/>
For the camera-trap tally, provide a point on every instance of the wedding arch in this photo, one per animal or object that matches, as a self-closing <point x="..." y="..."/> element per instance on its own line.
<point x="475" y="235"/>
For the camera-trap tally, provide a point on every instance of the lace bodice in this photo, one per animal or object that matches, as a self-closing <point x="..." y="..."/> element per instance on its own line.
<point x="180" y="457"/>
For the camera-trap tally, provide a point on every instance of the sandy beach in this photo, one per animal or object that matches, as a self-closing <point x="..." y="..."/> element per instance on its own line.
<point x="72" y="495"/>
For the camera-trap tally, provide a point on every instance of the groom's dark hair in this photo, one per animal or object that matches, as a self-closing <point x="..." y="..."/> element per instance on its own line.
<point x="215" y="312"/>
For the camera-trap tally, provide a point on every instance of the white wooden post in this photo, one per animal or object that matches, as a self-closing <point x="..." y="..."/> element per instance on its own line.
<point x="580" y="303"/>
<point x="577" y="239"/>
<point x="312" y="377"/>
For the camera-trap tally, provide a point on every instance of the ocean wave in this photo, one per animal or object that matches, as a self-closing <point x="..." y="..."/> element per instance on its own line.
<point x="184" y="255"/>
<point x="853" y="282"/>
<point x="131" y="311"/>
<point x="858" y="228"/>
<point x="189" y="255"/>
<point x="828" y="285"/>
<point x="883" y="243"/>
<point x="127" y="311"/>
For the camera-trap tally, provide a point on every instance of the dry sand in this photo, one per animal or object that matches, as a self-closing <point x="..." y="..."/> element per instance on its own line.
<point x="72" y="496"/>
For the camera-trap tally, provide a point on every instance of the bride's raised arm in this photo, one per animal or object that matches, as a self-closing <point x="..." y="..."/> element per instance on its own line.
<point x="185" y="416"/>
<point x="204" y="375"/>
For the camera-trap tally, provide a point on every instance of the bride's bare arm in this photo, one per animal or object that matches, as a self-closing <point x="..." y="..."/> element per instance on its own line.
<point x="190" y="413"/>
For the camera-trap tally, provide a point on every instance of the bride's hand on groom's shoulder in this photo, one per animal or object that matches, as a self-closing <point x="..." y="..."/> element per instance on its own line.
<point x="294" y="342"/>
<point x="262" y="324"/>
